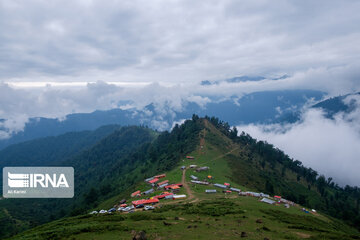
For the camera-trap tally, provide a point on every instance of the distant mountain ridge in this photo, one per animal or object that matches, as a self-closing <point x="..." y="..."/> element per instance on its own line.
<point x="335" y="105"/>
<point x="54" y="149"/>
<point x="258" y="107"/>
<point x="242" y="79"/>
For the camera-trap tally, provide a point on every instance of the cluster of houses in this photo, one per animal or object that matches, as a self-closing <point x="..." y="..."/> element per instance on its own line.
<point x="226" y="188"/>
<point x="156" y="183"/>
<point x="266" y="198"/>
<point x="170" y="192"/>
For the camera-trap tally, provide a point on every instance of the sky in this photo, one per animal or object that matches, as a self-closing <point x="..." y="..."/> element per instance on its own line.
<point x="61" y="57"/>
<point x="180" y="41"/>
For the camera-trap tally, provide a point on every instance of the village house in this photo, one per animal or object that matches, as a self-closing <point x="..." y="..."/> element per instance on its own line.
<point x="268" y="201"/>
<point x="200" y="169"/>
<point x="193" y="177"/>
<point x="235" y="189"/>
<point x="200" y="182"/>
<point x="160" y="176"/>
<point x="145" y="201"/>
<point x="148" y="191"/>
<point x="134" y="194"/>
<point x="182" y="196"/>
<point x="149" y="179"/>
<point x="220" y="185"/>
<point x="210" y="190"/>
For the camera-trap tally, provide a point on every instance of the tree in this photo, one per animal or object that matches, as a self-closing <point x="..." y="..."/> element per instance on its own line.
<point x="233" y="133"/>
<point x="269" y="187"/>
<point x="321" y="183"/>
<point x="91" y="196"/>
<point x="329" y="180"/>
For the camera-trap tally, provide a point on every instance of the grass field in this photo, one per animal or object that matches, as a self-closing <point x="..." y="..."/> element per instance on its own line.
<point x="218" y="218"/>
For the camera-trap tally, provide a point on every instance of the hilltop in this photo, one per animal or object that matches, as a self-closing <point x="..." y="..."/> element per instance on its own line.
<point x="246" y="164"/>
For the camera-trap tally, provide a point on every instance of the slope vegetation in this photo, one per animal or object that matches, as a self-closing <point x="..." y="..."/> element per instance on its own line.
<point x="103" y="171"/>
<point x="231" y="159"/>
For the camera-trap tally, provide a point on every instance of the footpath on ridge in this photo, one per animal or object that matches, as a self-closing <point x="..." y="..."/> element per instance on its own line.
<point x="201" y="151"/>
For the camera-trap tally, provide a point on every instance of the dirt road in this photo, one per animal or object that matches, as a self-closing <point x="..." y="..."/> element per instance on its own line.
<point x="186" y="186"/>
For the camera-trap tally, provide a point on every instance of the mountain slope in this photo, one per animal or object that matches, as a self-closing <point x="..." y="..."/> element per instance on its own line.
<point x="37" y="211"/>
<point x="262" y="167"/>
<point x="50" y="150"/>
<point x="44" y="127"/>
<point x="112" y="165"/>
<point x="335" y="105"/>
<point x="242" y="161"/>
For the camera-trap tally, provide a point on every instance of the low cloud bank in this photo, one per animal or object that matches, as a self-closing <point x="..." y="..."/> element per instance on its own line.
<point x="330" y="146"/>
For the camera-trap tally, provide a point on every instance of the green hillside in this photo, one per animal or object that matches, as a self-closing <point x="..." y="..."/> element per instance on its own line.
<point x="52" y="150"/>
<point x="66" y="150"/>
<point x="108" y="168"/>
<point x="241" y="161"/>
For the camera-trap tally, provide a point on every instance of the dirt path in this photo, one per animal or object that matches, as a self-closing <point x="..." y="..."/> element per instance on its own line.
<point x="227" y="153"/>
<point x="186" y="186"/>
<point x="201" y="151"/>
<point x="202" y="141"/>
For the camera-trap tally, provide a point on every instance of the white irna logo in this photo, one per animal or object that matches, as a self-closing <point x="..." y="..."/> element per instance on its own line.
<point x="18" y="180"/>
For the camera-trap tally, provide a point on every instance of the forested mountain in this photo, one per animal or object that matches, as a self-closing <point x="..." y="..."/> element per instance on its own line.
<point x="112" y="165"/>
<point x="335" y="105"/>
<point x="52" y="150"/>
<point x="44" y="127"/>
<point x="115" y="165"/>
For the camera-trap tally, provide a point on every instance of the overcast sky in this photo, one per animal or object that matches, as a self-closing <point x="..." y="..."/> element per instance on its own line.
<point x="60" y="57"/>
<point x="152" y="49"/>
<point x="180" y="41"/>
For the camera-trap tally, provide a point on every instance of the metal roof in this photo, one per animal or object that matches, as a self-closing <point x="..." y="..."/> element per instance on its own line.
<point x="266" y="200"/>
<point x="220" y="185"/>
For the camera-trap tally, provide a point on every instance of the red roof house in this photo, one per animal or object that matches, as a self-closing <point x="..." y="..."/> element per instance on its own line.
<point x="173" y="186"/>
<point x="145" y="201"/>
<point x="163" y="182"/>
<point x="163" y="195"/>
<point x="135" y="193"/>
<point x="160" y="176"/>
<point x="153" y="181"/>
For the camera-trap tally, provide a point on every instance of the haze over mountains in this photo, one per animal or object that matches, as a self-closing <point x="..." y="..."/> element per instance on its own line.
<point x="258" y="107"/>
<point x="275" y="116"/>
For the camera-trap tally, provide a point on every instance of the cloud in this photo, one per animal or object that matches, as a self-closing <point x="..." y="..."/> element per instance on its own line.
<point x="331" y="147"/>
<point x="81" y="56"/>
<point x="19" y="104"/>
<point x="181" y="41"/>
